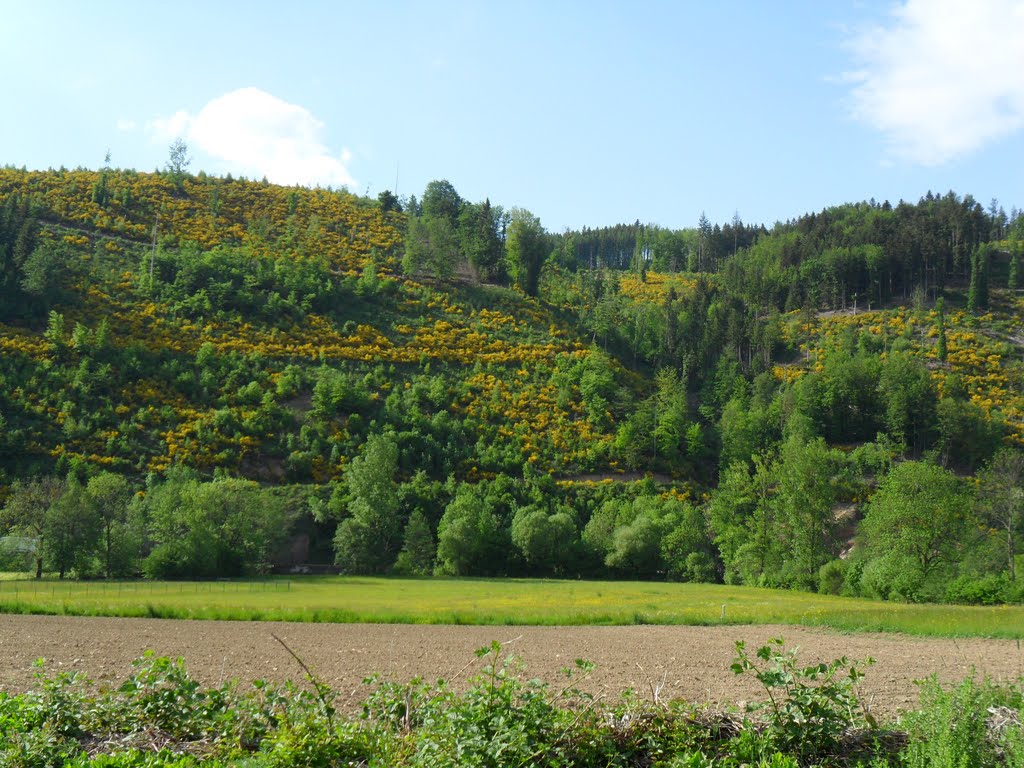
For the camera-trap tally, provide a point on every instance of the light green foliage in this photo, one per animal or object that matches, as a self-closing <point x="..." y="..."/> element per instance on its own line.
<point x="430" y="246"/>
<point x="843" y="401"/>
<point x="968" y="437"/>
<point x="418" y="548"/>
<point x="636" y="546"/>
<point x="447" y="232"/>
<point x="28" y="512"/>
<point x="914" y="530"/>
<point x="226" y="527"/>
<point x="774" y="524"/>
<point x="46" y="273"/>
<point x="230" y="282"/>
<point x="597" y="535"/>
<point x="119" y="541"/>
<point x="672" y="412"/>
<point x="743" y="517"/>
<point x="1001" y="496"/>
<point x="975" y="724"/>
<point x="545" y="540"/>
<point x="810" y="709"/>
<point x="732" y="505"/>
<point x="909" y="398"/>
<point x="598" y="389"/>
<point x="480" y="236"/>
<point x="367" y="541"/>
<point x="808" y="478"/>
<point x="634" y="442"/>
<point x="471" y="538"/>
<point x="178" y="161"/>
<point x="526" y="248"/>
<point x="71" y="530"/>
<point x="687" y="550"/>
<point x="628" y="535"/>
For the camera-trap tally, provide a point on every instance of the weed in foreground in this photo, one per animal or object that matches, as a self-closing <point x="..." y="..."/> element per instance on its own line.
<point x="811" y="710"/>
<point x="160" y="717"/>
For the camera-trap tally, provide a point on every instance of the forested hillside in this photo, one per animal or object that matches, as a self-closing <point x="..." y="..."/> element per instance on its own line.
<point x="209" y="376"/>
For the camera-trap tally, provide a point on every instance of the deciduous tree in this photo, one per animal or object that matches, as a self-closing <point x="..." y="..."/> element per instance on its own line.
<point x="913" y="529"/>
<point x="1001" y="492"/>
<point x="28" y="509"/>
<point x="525" y="249"/>
<point x="368" y="540"/>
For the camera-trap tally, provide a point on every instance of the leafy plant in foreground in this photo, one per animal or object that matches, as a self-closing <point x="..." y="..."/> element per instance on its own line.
<point x="810" y="709"/>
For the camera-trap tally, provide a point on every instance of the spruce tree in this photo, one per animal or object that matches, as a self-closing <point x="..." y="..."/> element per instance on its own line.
<point x="1012" y="279"/>
<point x="983" y="270"/>
<point x="977" y="294"/>
<point x="972" y="291"/>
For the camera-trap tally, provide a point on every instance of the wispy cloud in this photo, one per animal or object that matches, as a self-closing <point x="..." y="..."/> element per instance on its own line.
<point x="942" y="78"/>
<point x="252" y="132"/>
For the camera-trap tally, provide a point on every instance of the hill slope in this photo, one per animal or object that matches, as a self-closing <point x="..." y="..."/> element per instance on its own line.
<point x="774" y="419"/>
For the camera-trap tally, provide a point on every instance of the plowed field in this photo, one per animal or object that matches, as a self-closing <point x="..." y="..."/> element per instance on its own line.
<point x="688" y="662"/>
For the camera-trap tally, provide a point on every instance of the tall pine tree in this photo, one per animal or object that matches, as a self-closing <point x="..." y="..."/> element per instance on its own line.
<point x="977" y="294"/>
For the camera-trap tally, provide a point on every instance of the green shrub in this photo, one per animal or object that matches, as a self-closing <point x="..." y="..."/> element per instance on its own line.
<point x="832" y="577"/>
<point x="809" y="709"/>
<point x="993" y="589"/>
<point x="957" y="728"/>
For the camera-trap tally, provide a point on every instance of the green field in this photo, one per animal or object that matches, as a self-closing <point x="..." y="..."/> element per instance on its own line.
<point x="499" y="601"/>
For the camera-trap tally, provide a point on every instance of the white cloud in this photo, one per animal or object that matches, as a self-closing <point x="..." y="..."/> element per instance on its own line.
<point x="943" y="77"/>
<point x="125" y="125"/>
<point x="174" y="127"/>
<point x="252" y="133"/>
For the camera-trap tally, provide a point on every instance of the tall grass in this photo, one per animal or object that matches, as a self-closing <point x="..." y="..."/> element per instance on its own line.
<point x="500" y="601"/>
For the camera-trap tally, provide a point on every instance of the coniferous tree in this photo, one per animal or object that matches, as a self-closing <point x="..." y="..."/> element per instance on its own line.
<point x="479" y="236"/>
<point x="1012" y="279"/>
<point x="418" y="548"/>
<point x="977" y="294"/>
<point x="983" y="274"/>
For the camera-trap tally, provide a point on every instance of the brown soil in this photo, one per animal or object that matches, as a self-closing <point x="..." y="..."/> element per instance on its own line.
<point x="687" y="662"/>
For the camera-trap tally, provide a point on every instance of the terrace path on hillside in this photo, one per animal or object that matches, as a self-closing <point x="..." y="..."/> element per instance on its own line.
<point x="688" y="662"/>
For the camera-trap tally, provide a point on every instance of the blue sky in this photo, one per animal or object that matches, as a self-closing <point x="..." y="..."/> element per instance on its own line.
<point x="587" y="113"/>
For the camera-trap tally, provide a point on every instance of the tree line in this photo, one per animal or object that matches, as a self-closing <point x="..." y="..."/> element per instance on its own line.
<point x="925" y="533"/>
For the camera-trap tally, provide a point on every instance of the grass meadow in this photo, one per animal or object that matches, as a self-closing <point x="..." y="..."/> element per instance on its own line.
<point x="498" y="601"/>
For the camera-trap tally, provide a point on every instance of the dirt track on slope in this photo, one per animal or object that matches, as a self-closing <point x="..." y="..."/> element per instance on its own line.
<point x="687" y="662"/>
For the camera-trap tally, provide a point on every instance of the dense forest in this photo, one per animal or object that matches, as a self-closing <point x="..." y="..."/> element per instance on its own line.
<point x="206" y="376"/>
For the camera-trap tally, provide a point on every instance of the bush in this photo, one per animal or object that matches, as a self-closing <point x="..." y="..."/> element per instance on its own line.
<point x="832" y="577"/>
<point x="974" y="725"/>
<point x="993" y="589"/>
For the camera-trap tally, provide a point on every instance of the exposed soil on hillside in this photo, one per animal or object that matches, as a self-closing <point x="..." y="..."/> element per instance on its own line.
<point x="688" y="662"/>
